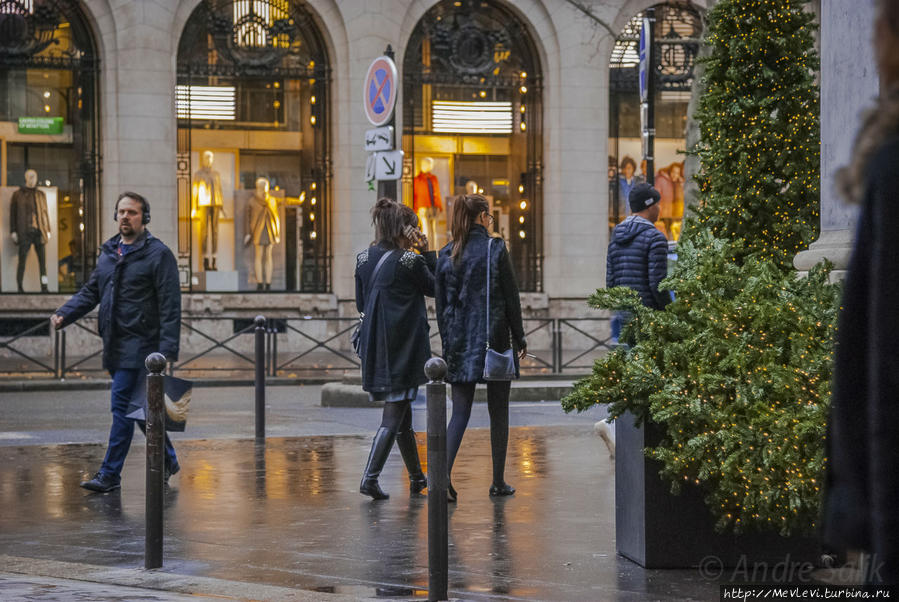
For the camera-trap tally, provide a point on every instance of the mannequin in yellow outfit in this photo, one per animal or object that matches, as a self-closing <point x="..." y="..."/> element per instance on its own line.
<point x="207" y="207"/>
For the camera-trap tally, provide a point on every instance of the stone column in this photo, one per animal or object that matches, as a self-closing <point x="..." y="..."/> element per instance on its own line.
<point x="849" y="83"/>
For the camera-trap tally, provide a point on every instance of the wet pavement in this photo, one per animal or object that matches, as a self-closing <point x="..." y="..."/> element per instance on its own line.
<point x="289" y="514"/>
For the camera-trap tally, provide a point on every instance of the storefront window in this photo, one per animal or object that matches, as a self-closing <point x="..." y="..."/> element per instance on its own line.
<point x="473" y="123"/>
<point x="677" y="34"/>
<point x="253" y="160"/>
<point x="48" y="147"/>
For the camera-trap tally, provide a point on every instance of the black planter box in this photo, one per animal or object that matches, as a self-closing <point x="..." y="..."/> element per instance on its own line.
<point x="657" y="529"/>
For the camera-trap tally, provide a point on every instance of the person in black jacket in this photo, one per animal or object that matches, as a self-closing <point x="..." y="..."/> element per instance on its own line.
<point x="463" y="321"/>
<point x="391" y="284"/>
<point x="862" y="479"/>
<point x="638" y="253"/>
<point x="137" y="287"/>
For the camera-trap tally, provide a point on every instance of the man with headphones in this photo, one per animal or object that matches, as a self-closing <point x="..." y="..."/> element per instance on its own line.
<point x="137" y="287"/>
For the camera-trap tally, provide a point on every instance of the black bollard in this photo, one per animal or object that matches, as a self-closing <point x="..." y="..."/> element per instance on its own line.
<point x="155" y="459"/>
<point x="438" y="529"/>
<point x="260" y="378"/>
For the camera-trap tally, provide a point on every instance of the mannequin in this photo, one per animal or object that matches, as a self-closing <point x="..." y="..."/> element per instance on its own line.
<point x="263" y="229"/>
<point x="426" y="198"/>
<point x="207" y="207"/>
<point x="29" y="221"/>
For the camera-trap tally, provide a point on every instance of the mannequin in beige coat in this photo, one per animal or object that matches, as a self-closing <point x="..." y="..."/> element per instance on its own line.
<point x="263" y="229"/>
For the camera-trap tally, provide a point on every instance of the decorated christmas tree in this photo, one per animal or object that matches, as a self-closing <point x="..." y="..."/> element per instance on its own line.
<point x="760" y="136"/>
<point x="736" y="371"/>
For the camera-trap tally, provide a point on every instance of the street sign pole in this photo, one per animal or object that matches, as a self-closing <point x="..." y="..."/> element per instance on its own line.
<point x="648" y="92"/>
<point x="388" y="188"/>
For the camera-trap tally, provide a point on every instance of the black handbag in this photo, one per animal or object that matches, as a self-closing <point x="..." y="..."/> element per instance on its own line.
<point x="354" y="337"/>
<point x="497" y="366"/>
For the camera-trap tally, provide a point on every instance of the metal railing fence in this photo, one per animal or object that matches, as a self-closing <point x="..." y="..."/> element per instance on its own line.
<point x="296" y="347"/>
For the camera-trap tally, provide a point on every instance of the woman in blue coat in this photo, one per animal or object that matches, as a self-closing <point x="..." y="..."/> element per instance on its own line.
<point x="391" y="283"/>
<point x="461" y="294"/>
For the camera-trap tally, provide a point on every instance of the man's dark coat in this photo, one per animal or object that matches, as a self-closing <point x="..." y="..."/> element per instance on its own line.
<point x="462" y="306"/>
<point x="139" y="294"/>
<point x="861" y="509"/>
<point x="394" y="343"/>
<point x="638" y="259"/>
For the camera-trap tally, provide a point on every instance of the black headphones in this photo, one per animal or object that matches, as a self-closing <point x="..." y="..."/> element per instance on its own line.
<point x="145" y="206"/>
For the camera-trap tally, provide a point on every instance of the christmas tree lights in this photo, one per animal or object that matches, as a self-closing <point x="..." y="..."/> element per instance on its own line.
<point x="737" y="370"/>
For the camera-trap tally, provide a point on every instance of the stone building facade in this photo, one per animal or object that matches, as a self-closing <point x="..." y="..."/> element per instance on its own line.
<point x="137" y="45"/>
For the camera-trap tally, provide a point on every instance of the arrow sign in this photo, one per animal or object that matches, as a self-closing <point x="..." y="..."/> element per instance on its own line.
<point x="389" y="165"/>
<point x="379" y="139"/>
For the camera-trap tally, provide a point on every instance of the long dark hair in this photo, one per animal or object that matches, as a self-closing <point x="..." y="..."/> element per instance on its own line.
<point x="466" y="210"/>
<point x="389" y="219"/>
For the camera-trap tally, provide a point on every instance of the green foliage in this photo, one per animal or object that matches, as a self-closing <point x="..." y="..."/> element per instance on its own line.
<point x="737" y="370"/>
<point x="760" y="134"/>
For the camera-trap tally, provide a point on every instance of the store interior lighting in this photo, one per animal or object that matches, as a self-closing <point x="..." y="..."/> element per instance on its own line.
<point x="206" y="102"/>
<point x="464" y="117"/>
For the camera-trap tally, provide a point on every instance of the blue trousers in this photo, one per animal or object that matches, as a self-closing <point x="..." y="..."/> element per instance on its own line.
<point x="124" y="382"/>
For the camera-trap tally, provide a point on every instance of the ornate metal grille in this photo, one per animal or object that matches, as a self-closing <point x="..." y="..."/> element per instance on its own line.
<point x="241" y="43"/>
<point x="479" y="50"/>
<point x="677" y="40"/>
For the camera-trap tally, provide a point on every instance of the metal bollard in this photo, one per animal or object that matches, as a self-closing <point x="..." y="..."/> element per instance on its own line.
<point x="155" y="459"/>
<point x="260" y="377"/>
<point x="438" y="529"/>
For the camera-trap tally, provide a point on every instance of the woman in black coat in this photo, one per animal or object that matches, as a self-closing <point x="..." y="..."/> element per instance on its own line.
<point x="391" y="282"/>
<point x="463" y="322"/>
<point x="862" y="483"/>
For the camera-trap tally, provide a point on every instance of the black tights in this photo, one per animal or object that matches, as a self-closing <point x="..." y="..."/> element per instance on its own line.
<point x="498" y="407"/>
<point x="397" y="416"/>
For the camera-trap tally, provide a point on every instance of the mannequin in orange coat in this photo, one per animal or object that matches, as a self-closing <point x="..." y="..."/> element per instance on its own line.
<point x="426" y="199"/>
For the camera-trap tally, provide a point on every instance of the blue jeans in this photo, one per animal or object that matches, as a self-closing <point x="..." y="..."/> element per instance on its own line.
<point x="123" y="383"/>
<point x="619" y="319"/>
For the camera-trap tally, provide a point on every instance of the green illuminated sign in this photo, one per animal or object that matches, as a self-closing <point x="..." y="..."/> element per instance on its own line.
<point x="40" y="125"/>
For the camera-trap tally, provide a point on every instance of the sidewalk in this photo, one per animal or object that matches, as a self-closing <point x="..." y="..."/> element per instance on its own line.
<point x="241" y="520"/>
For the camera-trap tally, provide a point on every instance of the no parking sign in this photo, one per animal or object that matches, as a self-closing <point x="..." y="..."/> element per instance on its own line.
<point x="379" y="91"/>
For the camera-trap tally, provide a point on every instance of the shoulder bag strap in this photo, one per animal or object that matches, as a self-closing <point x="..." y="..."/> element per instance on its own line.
<point x="487" y="320"/>
<point x="374" y="273"/>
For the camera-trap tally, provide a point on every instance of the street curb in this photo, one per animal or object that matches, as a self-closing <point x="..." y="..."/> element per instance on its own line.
<point x="160" y="580"/>
<point x="347" y="395"/>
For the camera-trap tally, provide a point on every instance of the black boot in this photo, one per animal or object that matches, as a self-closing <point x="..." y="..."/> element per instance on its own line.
<point x="380" y="449"/>
<point x="405" y="440"/>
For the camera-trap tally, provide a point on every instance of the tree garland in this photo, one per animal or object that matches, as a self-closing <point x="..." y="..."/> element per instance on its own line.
<point x="737" y="370"/>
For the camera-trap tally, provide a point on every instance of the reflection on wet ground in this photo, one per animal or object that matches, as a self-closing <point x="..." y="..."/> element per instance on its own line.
<point x="289" y="513"/>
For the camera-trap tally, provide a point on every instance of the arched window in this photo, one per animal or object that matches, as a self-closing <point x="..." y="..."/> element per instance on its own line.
<point x="472" y="118"/>
<point x="253" y="155"/>
<point x="48" y="146"/>
<point x="677" y="37"/>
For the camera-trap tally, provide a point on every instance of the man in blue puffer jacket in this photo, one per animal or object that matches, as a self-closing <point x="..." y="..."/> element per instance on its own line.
<point x="638" y="253"/>
<point x="137" y="287"/>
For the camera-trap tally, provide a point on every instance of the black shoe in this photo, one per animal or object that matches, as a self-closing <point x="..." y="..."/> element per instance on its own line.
<point x="168" y="472"/>
<point x="102" y="483"/>
<point x="380" y="449"/>
<point x="372" y="489"/>
<point x="405" y="440"/>
<point x="259" y="286"/>
<point x="501" y="490"/>
<point x="451" y="495"/>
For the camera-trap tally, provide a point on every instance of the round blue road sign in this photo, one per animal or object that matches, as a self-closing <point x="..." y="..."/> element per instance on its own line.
<point x="379" y="92"/>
